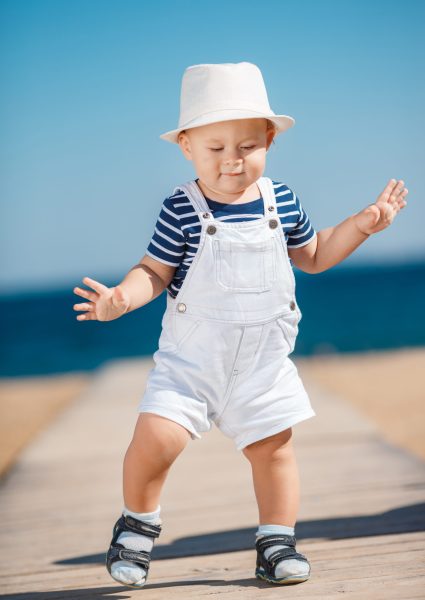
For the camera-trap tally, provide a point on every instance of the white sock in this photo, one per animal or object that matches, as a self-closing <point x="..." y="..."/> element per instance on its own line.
<point x="288" y="567"/>
<point x="124" y="570"/>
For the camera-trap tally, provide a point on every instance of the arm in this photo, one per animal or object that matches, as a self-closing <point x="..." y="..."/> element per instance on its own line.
<point x="334" y="244"/>
<point x="329" y="247"/>
<point x="145" y="281"/>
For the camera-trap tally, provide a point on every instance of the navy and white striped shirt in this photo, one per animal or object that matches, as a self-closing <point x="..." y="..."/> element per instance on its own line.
<point x="177" y="231"/>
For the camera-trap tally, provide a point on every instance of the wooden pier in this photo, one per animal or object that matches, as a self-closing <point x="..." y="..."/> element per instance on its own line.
<point x="361" y="521"/>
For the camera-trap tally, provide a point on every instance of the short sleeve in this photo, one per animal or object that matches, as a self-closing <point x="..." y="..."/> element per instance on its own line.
<point x="168" y="242"/>
<point x="303" y="232"/>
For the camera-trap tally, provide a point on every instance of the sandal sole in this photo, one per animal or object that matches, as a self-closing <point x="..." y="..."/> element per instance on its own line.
<point x="284" y="580"/>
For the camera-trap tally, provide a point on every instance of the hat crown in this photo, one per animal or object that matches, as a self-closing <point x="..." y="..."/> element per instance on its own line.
<point x="227" y="86"/>
<point x="211" y="93"/>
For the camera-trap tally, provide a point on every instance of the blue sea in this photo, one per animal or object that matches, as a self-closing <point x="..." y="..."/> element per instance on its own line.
<point x="345" y="309"/>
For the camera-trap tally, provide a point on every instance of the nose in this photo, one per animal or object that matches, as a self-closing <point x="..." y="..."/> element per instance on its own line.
<point x="230" y="166"/>
<point x="232" y="160"/>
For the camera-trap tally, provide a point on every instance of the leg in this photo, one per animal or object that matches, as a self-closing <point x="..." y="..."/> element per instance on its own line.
<point x="155" y="445"/>
<point x="275" y="477"/>
<point x="276" y="485"/>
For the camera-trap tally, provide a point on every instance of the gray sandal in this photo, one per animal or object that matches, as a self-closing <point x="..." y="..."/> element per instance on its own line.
<point x="266" y="567"/>
<point x="119" y="552"/>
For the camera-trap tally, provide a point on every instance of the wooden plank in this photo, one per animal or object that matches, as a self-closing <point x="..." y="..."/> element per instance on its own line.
<point x="338" y="568"/>
<point x="361" y="519"/>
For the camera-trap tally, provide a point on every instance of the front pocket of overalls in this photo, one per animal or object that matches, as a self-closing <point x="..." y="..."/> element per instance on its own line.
<point x="245" y="266"/>
<point x="288" y="324"/>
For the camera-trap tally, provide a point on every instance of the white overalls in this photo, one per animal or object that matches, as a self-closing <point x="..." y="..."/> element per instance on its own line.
<point x="223" y="351"/>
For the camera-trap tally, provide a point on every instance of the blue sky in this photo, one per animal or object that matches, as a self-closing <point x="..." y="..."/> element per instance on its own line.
<point x="88" y="87"/>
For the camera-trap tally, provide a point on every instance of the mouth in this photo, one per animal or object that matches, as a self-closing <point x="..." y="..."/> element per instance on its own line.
<point x="232" y="174"/>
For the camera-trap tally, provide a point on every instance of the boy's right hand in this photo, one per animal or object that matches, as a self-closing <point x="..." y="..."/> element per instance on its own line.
<point x="105" y="303"/>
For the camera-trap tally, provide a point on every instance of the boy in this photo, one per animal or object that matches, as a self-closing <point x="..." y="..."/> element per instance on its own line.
<point x="223" y="254"/>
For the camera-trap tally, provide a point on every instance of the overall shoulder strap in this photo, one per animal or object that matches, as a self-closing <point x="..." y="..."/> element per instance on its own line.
<point x="267" y="191"/>
<point x="195" y="196"/>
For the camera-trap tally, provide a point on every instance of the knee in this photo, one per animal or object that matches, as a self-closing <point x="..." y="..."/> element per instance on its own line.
<point x="159" y="457"/>
<point x="158" y="440"/>
<point x="273" y="448"/>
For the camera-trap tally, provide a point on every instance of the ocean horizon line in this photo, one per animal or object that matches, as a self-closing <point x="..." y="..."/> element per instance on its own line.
<point x="68" y="284"/>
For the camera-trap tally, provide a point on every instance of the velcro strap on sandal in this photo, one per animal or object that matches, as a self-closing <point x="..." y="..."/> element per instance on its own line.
<point x="275" y="540"/>
<point x="284" y="554"/>
<point x="142" y="558"/>
<point x="119" y="553"/>
<point x="131" y="524"/>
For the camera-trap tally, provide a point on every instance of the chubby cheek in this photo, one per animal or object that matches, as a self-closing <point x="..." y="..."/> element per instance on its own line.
<point x="258" y="156"/>
<point x="210" y="165"/>
<point x="255" y="161"/>
<point x="201" y="164"/>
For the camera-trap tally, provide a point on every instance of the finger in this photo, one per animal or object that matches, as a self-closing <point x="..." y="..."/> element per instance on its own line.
<point x="402" y="199"/>
<point x="388" y="189"/>
<point x="403" y="194"/>
<point x="393" y="201"/>
<point x="84" y="306"/>
<point x="87" y="317"/>
<point x="93" y="296"/>
<point x="96" y="285"/>
<point x="397" y="191"/>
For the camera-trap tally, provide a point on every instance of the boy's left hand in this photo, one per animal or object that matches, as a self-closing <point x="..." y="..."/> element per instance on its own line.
<point x="378" y="216"/>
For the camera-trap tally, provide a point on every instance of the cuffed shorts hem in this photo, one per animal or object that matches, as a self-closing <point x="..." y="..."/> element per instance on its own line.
<point x="173" y="417"/>
<point x="256" y="435"/>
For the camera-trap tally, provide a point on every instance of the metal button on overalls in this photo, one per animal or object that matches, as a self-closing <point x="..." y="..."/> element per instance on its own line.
<point x="223" y="354"/>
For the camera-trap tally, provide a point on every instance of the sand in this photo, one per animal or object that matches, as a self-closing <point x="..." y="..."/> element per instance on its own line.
<point x="387" y="387"/>
<point x="28" y="405"/>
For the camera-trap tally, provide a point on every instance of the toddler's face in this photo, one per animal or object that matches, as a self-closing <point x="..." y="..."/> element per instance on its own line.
<point x="228" y="156"/>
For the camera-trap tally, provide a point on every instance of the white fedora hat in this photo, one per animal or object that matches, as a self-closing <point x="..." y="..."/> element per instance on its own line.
<point x="222" y="92"/>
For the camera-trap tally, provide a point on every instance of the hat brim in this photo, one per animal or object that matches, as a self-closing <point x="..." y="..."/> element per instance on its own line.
<point x="282" y="122"/>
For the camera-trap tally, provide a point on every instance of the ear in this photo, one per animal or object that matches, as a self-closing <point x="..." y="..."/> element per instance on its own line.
<point x="184" y="143"/>
<point x="269" y="137"/>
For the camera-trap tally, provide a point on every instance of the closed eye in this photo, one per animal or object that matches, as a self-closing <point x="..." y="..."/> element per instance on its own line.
<point x="243" y="148"/>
